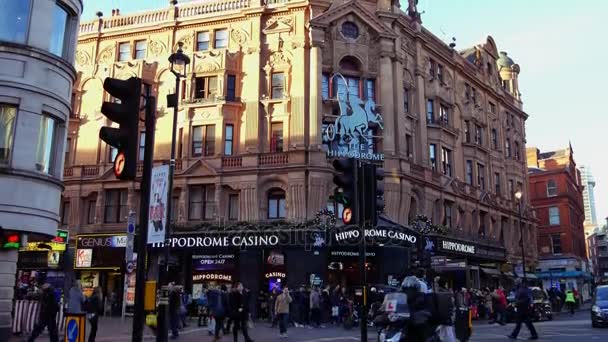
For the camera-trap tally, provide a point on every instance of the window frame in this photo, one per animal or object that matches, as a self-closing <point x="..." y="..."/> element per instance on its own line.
<point x="277" y="143"/>
<point x="446" y="161"/>
<point x="231" y="88"/>
<point x="554" y="187"/>
<point x="554" y="216"/>
<point x="11" y="139"/>
<point x="15" y="38"/>
<point x="50" y="166"/>
<point x="216" y="40"/>
<point x="65" y="216"/>
<point x="494" y="137"/>
<point x="279" y="196"/>
<point x="135" y="50"/>
<point x="228" y="141"/>
<point x="206" y="151"/>
<point x="199" y="42"/>
<point x="430" y="111"/>
<point x="91" y="211"/>
<point x="448" y="208"/>
<point x="119" y="56"/>
<point x="118" y="194"/>
<point x="141" y="149"/>
<point x="275" y="87"/>
<point x="478" y="135"/>
<point x="204" y="203"/>
<point x="554" y="238"/>
<point x="444" y="114"/>
<point x="205" y="93"/>
<point x="481" y="177"/>
<point x="497" y="183"/>
<point x="406" y="100"/>
<point x="66" y="29"/>
<point x="467" y="131"/>
<point x="433" y="156"/>
<point x="469" y="173"/>
<point x="231" y="207"/>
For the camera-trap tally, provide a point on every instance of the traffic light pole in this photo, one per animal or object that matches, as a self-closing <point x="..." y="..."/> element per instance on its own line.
<point x="142" y="240"/>
<point x="360" y="198"/>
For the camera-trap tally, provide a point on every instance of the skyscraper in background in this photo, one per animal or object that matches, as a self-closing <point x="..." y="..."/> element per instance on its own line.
<point x="588" y="183"/>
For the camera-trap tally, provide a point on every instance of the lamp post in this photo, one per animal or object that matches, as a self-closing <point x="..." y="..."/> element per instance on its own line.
<point x="178" y="61"/>
<point x="519" y="196"/>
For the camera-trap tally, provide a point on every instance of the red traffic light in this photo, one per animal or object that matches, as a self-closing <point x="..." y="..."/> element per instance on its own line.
<point x="347" y="215"/>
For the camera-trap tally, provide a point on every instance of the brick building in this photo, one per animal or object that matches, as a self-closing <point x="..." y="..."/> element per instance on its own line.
<point x="255" y="108"/>
<point x="556" y="196"/>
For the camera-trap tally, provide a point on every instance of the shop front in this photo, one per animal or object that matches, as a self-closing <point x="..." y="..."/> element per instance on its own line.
<point x="99" y="261"/>
<point x="466" y="263"/>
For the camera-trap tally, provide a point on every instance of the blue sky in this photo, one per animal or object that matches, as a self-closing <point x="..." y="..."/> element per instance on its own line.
<point x="561" y="47"/>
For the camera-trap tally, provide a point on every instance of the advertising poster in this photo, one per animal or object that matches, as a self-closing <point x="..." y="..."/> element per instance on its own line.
<point x="89" y="281"/>
<point x="157" y="214"/>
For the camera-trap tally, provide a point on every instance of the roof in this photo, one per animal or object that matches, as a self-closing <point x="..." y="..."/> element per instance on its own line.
<point x="504" y="61"/>
<point x="554" y="154"/>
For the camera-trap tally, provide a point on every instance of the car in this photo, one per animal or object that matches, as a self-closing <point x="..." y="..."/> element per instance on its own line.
<point x="599" y="307"/>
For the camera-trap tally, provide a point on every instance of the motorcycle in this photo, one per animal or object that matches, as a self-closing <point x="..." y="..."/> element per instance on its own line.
<point x="541" y="305"/>
<point x="397" y="323"/>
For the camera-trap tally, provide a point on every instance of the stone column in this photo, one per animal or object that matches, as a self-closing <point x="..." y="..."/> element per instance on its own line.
<point x="385" y="96"/>
<point x="315" y="116"/>
<point x="251" y="90"/>
<point x="8" y="269"/>
<point x="422" y="149"/>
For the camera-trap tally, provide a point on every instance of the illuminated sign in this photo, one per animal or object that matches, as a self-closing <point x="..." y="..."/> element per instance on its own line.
<point x="84" y="257"/>
<point x="11" y="241"/>
<point x="212" y="276"/>
<point x="62" y="236"/>
<point x="113" y="241"/>
<point x="44" y="246"/>
<point x="275" y="275"/>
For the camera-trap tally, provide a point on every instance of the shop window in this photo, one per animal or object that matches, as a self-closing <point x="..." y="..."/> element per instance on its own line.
<point x="202" y="41"/>
<point x="8" y="114"/>
<point x="124" y="51"/>
<point x="59" y="29"/>
<point x="15" y="18"/>
<point x="433" y="156"/>
<point x="65" y="212"/>
<point x="278" y="85"/>
<point x="140" y="49"/>
<point x="554" y="216"/>
<point x="142" y="145"/>
<point x="203" y="140"/>
<point x="228" y="140"/>
<point x="45" y="152"/>
<point x="201" y="202"/>
<point x="276" y="204"/>
<point x="551" y="188"/>
<point x="231" y="88"/>
<point x="469" y="172"/>
<point x="556" y="243"/>
<point x="91" y="209"/>
<point x="221" y="39"/>
<point x="233" y="207"/>
<point x="116" y="206"/>
<point x="205" y="87"/>
<point x="276" y="137"/>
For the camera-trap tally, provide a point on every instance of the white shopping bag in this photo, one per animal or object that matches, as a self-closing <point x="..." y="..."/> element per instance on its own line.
<point x="446" y="333"/>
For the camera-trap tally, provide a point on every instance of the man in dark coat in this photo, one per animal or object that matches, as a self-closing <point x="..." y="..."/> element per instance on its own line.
<point x="174" y="307"/>
<point x="523" y="302"/>
<point x="48" y="315"/>
<point x="239" y="312"/>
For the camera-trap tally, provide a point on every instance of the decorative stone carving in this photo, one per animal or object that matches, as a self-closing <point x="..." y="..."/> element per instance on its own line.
<point x="106" y="55"/>
<point x="279" y="58"/>
<point x="157" y="48"/>
<point x="208" y="61"/>
<point x="276" y="24"/>
<point x="207" y="67"/>
<point x="83" y="58"/>
<point x="186" y="40"/>
<point x="239" y="36"/>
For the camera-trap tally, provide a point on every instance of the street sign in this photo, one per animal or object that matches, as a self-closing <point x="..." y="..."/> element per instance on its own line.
<point x="75" y="328"/>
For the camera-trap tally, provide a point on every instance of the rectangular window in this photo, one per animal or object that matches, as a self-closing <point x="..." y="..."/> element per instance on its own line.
<point x="556" y="243"/>
<point x="511" y="189"/>
<point x="209" y="140"/>
<point x="8" y="114"/>
<point x="446" y="161"/>
<point x="140" y="49"/>
<point x="481" y="176"/>
<point x="228" y="139"/>
<point x="408" y="145"/>
<point x="231" y="88"/>
<point x="113" y="154"/>
<point x="492" y="108"/>
<point x="433" y="156"/>
<point x="221" y="39"/>
<point x="180" y="143"/>
<point x="406" y="100"/>
<point x="444" y="114"/>
<point x="430" y="115"/>
<point x="205" y="87"/>
<point x="201" y="202"/>
<point x="278" y="85"/>
<point x="276" y="137"/>
<point x="65" y="212"/>
<point x="68" y="150"/>
<point x="124" y="51"/>
<point x="197" y="141"/>
<point x="469" y="172"/>
<point x="91" y="209"/>
<point x="551" y="188"/>
<point x="116" y="206"/>
<point x="142" y="145"/>
<point x="276" y="205"/>
<point x="478" y="135"/>
<point x="554" y="216"/>
<point x="440" y="72"/>
<point x="432" y="68"/>
<point x="14" y="20"/>
<point x="202" y="41"/>
<point x="467" y="131"/>
<point x="497" y="183"/>
<point x="467" y="91"/>
<point x="517" y="151"/>
<point x="474" y="95"/>
<point x="447" y="214"/>
<point x="370" y="90"/>
<point x="58" y="30"/>
<point x="494" y="139"/>
<point x="325" y="87"/>
<point x="233" y="207"/>
<point x="45" y="152"/>
<point x="508" y="148"/>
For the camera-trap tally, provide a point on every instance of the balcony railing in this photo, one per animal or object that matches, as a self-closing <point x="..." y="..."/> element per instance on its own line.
<point x="232" y="162"/>
<point x="280" y="158"/>
<point x="81" y="171"/>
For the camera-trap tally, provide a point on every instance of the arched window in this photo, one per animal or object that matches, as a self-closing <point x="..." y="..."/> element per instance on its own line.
<point x="276" y="204"/>
<point x="551" y="188"/>
<point x="413" y="210"/>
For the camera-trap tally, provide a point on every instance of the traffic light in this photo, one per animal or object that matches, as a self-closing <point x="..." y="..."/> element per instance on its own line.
<point x="125" y="113"/>
<point x="378" y="193"/>
<point x="374" y="193"/>
<point x="345" y="180"/>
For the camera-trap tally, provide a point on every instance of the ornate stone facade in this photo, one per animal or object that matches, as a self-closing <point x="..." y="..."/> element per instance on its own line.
<point x="272" y="87"/>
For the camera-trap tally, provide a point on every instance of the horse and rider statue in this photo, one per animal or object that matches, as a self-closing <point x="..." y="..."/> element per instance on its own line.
<point x="356" y="118"/>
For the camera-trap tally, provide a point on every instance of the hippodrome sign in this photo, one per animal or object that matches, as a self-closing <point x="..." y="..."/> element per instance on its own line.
<point x="351" y="134"/>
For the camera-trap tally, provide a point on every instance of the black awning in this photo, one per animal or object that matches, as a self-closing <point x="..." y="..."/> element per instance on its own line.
<point x="490" y="271"/>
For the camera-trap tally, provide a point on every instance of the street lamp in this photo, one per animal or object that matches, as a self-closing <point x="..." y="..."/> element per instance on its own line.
<point x="519" y="196"/>
<point x="178" y="61"/>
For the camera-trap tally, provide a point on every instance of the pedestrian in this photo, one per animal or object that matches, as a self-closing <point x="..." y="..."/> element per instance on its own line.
<point x="262" y="305"/>
<point x="444" y="310"/>
<point x="523" y="302"/>
<point x="48" y="315"/>
<point x="271" y="300"/>
<point x="94" y="306"/>
<point x="421" y="275"/>
<point x="315" y="307"/>
<point x="76" y="298"/>
<point x="218" y="306"/>
<point x="174" y="309"/>
<point x="282" y="310"/>
<point x="570" y="301"/>
<point x="186" y="300"/>
<point x="201" y="306"/>
<point x="239" y="312"/>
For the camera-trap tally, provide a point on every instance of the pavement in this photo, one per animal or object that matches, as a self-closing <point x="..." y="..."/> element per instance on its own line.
<point x="564" y="328"/>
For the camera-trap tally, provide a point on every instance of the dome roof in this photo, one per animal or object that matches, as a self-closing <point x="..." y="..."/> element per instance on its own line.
<point x="504" y="61"/>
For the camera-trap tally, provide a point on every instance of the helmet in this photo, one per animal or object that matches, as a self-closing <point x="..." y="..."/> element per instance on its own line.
<point x="411" y="282"/>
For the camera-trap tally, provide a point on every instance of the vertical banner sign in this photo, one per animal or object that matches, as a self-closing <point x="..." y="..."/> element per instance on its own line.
<point x="157" y="217"/>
